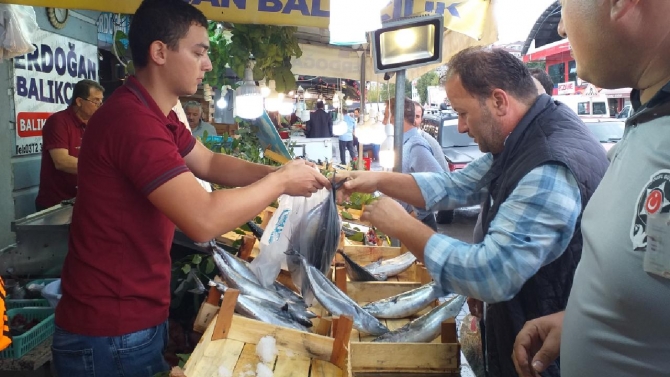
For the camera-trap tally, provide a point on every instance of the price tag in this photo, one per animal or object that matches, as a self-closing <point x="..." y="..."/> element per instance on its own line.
<point x="657" y="257"/>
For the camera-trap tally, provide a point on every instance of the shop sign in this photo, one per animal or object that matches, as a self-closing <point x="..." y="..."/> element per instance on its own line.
<point x="43" y="83"/>
<point x="566" y="88"/>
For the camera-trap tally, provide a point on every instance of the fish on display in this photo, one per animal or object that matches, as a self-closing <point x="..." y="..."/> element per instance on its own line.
<point x="358" y="273"/>
<point x="404" y="304"/>
<point x="299" y="315"/>
<point x="427" y="327"/>
<point x="260" y="310"/>
<point x="392" y="267"/>
<point x="336" y="302"/>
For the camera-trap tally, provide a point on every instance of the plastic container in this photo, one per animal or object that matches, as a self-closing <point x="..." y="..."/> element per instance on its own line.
<point x="26" y="303"/>
<point x="367" y="162"/>
<point x="22" y="344"/>
<point x="52" y="292"/>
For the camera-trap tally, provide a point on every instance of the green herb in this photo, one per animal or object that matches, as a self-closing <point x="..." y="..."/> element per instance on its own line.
<point x="346" y="215"/>
<point x="358" y="237"/>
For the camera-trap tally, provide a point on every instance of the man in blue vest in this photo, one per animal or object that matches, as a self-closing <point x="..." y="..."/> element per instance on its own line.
<point x="539" y="171"/>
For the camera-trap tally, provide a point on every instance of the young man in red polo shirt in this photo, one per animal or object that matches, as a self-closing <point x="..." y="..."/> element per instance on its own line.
<point x="136" y="182"/>
<point x="61" y="137"/>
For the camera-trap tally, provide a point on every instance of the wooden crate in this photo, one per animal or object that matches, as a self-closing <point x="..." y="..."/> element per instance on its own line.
<point x="231" y="340"/>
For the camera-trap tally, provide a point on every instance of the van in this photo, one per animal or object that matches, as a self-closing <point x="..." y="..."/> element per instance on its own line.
<point x="586" y="106"/>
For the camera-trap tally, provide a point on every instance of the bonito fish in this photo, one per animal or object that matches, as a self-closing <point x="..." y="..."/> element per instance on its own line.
<point x="254" y="308"/>
<point x="358" y="273"/>
<point x="427" y="327"/>
<point x="338" y="303"/>
<point x="298" y="315"/>
<point x="392" y="267"/>
<point x="404" y="304"/>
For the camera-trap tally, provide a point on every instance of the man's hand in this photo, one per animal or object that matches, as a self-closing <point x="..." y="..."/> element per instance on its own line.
<point x="357" y="181"/>
<point x="386" y="215"/>
<point x="476" y="307"/>
<point x="538" y="344"/>
<point x="300" y="178"/>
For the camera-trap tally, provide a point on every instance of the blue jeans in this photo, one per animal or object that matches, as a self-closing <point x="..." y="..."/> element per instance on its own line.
<point x="138" y="354"/>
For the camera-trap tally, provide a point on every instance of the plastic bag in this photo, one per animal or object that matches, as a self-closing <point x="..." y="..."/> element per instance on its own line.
<point x="17" y="26"/>
<point x="277" y="235"/>
<point x="52" y="293"/>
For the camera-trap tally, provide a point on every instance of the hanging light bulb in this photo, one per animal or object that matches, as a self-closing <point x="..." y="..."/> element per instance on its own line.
<point x="286" y="107"/>
<point x="349" y="102"/>
<point x="340" y="127"/>
<point x="222" y="103"/>
<point x="248" y="99"/>
<point x="272" y="101"/>
<point x="265" y="90"/>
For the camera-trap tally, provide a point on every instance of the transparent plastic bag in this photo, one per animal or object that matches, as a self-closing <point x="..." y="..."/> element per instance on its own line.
<point x="278" y="233"/>
<point x="19" y="24"/>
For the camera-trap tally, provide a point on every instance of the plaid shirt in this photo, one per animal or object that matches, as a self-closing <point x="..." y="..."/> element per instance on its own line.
<point x="531" y="229"/>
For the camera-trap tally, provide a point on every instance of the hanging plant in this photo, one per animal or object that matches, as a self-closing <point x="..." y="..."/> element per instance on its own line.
<point x="219" y="54"/>
<point x="272" y="48"/>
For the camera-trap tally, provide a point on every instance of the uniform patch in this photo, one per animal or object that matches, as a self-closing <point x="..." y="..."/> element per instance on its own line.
<point x="654" y="198"/>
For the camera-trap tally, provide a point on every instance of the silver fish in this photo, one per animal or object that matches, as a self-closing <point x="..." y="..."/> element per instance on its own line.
<point x="404" y="304"/>
<point x="293" y="313"/>
<point x="427" y="327"/>
<point x="338" y="303"/>
<point x="246" y="287"/>
<point x="254" y="308"/>
<point x="358" y="273"/>
<point x="393" y="266"/>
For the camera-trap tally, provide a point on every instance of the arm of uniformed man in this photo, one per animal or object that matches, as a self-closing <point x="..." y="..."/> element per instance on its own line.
<point x="55" y="140"/>
<point x="63" y="161"/>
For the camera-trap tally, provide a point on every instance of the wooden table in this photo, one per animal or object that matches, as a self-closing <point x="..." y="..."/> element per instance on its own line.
<point x="33" y="360"/>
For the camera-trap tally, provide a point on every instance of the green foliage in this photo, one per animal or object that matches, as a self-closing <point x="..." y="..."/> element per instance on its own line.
<point x="384" y="91"/>
<point x="272" y="48"/>
<point x="122" y="52"/>
<point x="357" y="200"/>
<point x="539" y="64"/>
<point x="219" y="54"/>
<point x="428" y="79"/>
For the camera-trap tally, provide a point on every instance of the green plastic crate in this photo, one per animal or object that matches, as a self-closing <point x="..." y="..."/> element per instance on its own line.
<point x="22" y="344"/>
<point x="17" y="304"/>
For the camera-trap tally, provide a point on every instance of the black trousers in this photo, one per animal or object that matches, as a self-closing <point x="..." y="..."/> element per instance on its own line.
<point x="430" y="221"/>
<point x="344" y="146"/>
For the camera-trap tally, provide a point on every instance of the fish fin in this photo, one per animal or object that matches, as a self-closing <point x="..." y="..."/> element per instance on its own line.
<point x="285" y="308"/>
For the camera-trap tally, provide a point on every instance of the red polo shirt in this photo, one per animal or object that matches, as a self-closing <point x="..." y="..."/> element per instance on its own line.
<point x="61" y="130"/>
<point x="116" y="276"/>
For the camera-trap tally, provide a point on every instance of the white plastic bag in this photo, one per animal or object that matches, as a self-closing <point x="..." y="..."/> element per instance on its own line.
<point x="277" y="235"/>
<point x="19" y="23"/>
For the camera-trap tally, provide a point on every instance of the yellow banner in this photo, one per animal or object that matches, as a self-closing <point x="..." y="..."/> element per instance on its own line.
<point x="464" y="16"/>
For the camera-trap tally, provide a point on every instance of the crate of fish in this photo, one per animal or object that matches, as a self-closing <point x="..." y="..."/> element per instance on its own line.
<point x="234" y="345"/>
<point x="381" y="263"/>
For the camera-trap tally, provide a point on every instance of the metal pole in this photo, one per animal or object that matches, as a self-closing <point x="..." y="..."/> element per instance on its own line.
<point x="398" y="128"/>
<point x="361" y="165"/>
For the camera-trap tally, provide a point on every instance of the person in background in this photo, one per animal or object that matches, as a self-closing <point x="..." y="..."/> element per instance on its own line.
<point x="416" y="154"/>
<point x="198" y="126"/>
<point x="435" y="147"/>
<point x="320" y="123"/>
<point x="540" y="169"/>
<point x="347" y="140"/>
<point x="545" y="83"/>
<point x="136" y="186"/>
<point x="61" y="137"/>
<point x="616" y="321"/>
<point x="445" y="105"/>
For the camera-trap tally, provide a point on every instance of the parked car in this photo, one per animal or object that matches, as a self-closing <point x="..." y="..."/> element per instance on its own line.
<point x="608" y="132"/>
<point x="459" y="150"/>
<point x="625" y="113"/>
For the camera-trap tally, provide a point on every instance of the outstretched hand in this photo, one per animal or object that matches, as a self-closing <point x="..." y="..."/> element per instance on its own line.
<point x="538" y="344"/>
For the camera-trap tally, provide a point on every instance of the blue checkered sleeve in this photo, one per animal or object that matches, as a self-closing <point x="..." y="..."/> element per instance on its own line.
<point x="456" y="189"/>
<point x="532" y="228"/>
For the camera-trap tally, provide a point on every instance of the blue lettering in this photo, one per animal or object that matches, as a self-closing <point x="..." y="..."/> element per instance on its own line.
<point x="34" y="61"/>
<point x="66" y="87"/>
<point x="92" y="70"/>
<point x="240" y="4"/>
<point x="18" y="62"/>
<point x="264" y="6"/>
<point x="72" y="61"/>
<point x="32" y="90"/>
<point x="59" y="94"/>
<point x="21" y="88"/>
<point x="47" y="58"/>
<point x="81" y="72"/>
<point x="300" y="5"/>
<point x="51" y="91"/>
<point x="409" y="7"/>
<point x="429" y="6"/>
<point x="60" y="61"/>
<point x="215" y="3"/>
<point x="397" y="5"/>
<point x="317" y="11"/>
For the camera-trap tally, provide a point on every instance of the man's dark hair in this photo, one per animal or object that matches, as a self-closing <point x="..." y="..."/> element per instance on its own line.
<point x="420" y="107"/>
<point x="544" y="79"/>
<point x="319" y="105"/>
<point x="82" y="89"/>
<point x="358" y="109"/>
<point x="483" y="70"/>
<point x="167" y="21"/>
<point x="408" y="113"/>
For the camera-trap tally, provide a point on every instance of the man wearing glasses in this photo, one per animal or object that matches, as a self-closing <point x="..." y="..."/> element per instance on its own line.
<point x="61" y="140"/>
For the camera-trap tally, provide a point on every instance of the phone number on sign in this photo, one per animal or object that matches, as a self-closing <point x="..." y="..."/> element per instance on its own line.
<point x="28" y="149"/>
